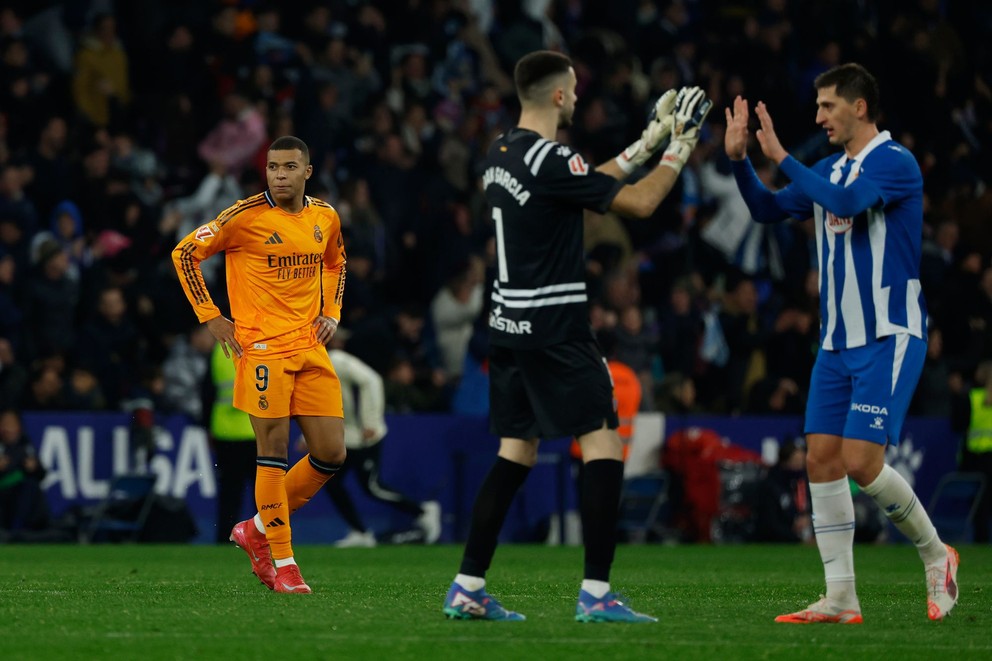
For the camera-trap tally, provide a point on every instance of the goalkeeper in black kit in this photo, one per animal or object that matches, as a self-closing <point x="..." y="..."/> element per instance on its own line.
<point x="548" y="377"/>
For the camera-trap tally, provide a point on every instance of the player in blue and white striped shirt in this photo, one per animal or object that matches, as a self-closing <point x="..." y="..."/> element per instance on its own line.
<point x="867" y="206"/>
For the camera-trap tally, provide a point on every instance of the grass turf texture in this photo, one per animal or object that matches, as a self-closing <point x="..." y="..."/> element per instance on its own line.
<point x="200" y="602"/>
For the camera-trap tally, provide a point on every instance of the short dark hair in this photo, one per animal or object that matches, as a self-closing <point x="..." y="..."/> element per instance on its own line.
<point x="853" y="82"/>
<point x="535" y="68"/>
<point x="289" y="142"/>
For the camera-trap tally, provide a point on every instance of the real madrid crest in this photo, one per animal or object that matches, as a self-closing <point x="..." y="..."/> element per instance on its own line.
<point x="262" y="402"/>
<point x="317" y="235"/>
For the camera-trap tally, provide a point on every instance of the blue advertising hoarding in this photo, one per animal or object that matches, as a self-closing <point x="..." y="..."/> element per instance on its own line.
<point x="427" y="457"/>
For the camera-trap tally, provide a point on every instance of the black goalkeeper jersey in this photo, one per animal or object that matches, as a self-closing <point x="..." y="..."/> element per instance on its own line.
<point x="537" y="190"/>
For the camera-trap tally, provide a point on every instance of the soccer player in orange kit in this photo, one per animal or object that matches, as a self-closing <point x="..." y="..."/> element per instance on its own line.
<point x="285" y="279"/>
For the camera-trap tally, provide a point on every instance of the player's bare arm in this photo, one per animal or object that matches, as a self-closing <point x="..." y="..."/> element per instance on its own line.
<point x="736" y="135"/>
<point x="767" y="138"/>
<point x="641" y="199"/>
<point x="611" y="168"/>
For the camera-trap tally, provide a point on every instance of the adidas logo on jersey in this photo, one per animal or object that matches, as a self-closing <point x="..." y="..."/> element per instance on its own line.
<point x="275" y="238"/>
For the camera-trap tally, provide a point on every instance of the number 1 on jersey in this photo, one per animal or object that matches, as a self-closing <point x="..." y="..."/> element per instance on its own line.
<point x="500" y="245"/>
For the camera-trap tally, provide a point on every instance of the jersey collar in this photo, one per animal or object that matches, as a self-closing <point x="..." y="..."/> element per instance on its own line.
<point x="516" y="132"/>
<point x="272" y="202"/>
<point x="882" y="137"/>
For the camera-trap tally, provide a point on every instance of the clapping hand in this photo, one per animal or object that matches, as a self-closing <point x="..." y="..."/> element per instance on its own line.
<point x="659" y="127"/>
<point x="691" y="108"/>
<point x="735" y="138"/>
<point x="770" y="145"/>
<point x="660" y="121"/>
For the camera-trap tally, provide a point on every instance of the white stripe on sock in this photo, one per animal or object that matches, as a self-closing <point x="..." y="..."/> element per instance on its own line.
<point x="896" y="498"/>
<point x="833" y="523"/>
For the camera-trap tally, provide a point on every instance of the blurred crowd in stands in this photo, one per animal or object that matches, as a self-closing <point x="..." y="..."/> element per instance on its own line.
<point x="124" y="125"/>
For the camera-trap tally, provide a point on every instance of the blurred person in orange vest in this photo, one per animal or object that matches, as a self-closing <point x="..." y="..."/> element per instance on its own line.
<point x="626" y="394"/>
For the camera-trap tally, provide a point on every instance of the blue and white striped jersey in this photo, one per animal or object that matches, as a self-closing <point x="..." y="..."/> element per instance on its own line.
<point x="869" y="264"/>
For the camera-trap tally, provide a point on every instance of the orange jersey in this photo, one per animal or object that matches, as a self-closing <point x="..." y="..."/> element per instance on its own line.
<point x="283" y="271"/>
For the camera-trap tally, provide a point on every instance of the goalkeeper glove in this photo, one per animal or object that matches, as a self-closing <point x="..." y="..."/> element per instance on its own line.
<point x="658" y="128"/>
<point x="691" y="107"/>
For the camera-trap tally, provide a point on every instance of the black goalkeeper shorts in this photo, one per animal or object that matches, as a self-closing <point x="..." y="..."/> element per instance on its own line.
<point x="556" y="391"/>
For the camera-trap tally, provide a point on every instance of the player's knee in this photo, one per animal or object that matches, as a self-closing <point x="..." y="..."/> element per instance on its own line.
<point x="518" y="451"/>
<point x="823" y="467"/>
<point x="334" y="455"/>
<point x="862" y="471"/>
<point x="863" y="463"/>
<point x="273" y="445"/>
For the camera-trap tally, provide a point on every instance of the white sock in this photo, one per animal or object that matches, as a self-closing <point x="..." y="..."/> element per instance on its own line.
<point x="833" y="524"/>
<point x="259" y="526"/>
<point x="597" y="589"/>
<point x="897" y="499"/>
<point x="282" y="562"/>
<point x="470" y="583"/>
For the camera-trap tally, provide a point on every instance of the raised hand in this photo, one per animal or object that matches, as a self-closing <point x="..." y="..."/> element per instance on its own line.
<point x="735" y="138"/>
<point x="659" y="121"/>
<point x="658" y="128"/>
<point x="691" y="108"/>
<point x="770" y="145"/>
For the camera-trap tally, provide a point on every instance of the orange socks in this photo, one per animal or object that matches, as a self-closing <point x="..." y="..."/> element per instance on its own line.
<point x="278" y="494"/>
<point x="305" y="479"/>
<point x="273" y="506"/>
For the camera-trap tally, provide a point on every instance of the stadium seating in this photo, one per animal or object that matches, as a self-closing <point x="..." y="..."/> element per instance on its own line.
<point x="121" y="516"/>
<point x="643" y="507"/>
<point x="953" y="504"/>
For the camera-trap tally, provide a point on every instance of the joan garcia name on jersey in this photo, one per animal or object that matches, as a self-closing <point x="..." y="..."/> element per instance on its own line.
<point x="500" y="177"/>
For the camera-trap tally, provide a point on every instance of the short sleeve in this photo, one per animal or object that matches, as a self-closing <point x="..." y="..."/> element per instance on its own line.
<point x="564" y="175"/>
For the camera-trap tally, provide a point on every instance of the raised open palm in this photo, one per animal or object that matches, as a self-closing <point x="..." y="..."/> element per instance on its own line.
<point x="735" y="138"/>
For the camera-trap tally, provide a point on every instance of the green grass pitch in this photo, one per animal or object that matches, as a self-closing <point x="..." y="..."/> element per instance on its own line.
<point x="715" y="602"/>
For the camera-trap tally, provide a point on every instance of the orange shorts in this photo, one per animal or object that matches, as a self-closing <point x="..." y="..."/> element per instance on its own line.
<point x="298" y="384"/>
